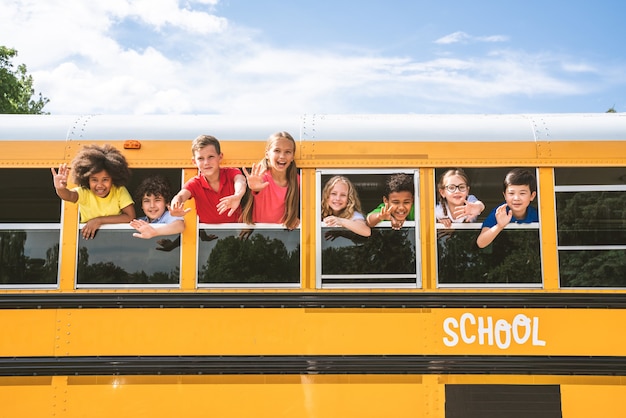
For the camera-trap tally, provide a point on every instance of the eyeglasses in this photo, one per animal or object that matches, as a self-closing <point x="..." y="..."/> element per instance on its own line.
<point x="453" y="187"/>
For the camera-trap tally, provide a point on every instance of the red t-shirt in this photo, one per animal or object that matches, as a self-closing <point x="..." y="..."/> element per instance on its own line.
<point x="207" y="198"/>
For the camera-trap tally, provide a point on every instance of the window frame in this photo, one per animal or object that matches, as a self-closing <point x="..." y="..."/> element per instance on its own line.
<point x="319" y="277"/>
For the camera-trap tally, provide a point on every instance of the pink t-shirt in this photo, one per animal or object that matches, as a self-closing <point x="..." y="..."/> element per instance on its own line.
<point x="269" y="203"/>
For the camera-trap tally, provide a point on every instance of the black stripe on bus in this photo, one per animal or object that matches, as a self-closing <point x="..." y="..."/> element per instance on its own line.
<point x="316" y="364"/>
<point x="312" y="300"/>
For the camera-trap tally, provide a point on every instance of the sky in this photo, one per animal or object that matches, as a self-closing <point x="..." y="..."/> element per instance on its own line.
<point x="320" y="57"/>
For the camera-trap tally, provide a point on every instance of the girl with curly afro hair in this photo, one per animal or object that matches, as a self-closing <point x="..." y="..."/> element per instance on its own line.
<point x="101" y="173"/>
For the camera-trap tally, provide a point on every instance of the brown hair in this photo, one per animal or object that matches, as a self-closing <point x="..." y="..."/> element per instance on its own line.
<point x="292" y="200"/>
<point x="92" y="159"/>
<point x="440" y="185"/>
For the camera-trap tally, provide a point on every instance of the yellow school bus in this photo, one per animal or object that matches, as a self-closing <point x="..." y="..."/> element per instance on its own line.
<point x="237" y="320"/>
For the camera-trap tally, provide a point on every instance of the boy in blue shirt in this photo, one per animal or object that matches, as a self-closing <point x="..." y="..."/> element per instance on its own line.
<point x="519" y="189"/>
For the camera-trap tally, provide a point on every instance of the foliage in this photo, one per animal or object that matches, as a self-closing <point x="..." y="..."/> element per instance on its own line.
<point x="18" y="268"/>
<point x="258" y="259"/>
<point x="513" y="257"/>
<point x="16" y="87"/>
<point x="386" y="251"/>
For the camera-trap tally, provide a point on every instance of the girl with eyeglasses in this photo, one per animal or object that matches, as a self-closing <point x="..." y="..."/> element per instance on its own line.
<point x="454" y="203"/>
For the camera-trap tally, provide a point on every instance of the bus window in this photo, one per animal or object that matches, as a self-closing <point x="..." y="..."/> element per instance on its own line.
<point x="30" y="228"/>
<point x="591" y="226"/>
<point x="239" y="255"/>
<point x="512" y="259"/>
<point x="386" y="258"/>
<point x="114" y="258"/>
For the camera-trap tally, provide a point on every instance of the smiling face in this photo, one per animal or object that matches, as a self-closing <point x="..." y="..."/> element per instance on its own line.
<point x="401" y="202"/>
<point x="338" y="197"/>
<point x="456" y="197"/>
<point x="280" y="154"/>
<point x="208" y="162"/>
<point x="153" y="206"/>
<point x="100" y="183"/>
<point x="517" y="198"/>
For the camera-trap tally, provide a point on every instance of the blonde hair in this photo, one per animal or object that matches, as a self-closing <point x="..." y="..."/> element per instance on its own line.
<point x="292" y="200"/>
<point x="354" y="204"/>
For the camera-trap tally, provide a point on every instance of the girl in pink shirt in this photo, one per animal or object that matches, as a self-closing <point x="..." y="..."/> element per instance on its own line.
<point x="274" y="183"/>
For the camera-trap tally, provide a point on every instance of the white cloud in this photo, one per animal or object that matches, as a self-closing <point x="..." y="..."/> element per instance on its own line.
<point x="462" y="37"/>
<point x="189" y="60"/>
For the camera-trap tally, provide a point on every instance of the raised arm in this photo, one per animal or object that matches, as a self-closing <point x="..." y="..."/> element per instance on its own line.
<point x="487" y="235"/>
<point x="59" y="179"/>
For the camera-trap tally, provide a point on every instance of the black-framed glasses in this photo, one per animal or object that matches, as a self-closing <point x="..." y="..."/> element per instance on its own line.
<point x="453" y="187"/>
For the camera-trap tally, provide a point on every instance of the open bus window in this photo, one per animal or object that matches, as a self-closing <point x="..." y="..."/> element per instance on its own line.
<point x="30" y="228"/>
<point x="239" y="255"/>
<point x="386" y="258"/>
<point x="512" y="259"/>
<point x="114" y="258"/>
<point x="591" y="226"/>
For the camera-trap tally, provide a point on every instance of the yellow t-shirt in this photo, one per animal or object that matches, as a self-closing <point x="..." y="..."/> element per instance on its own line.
<point x="92" y="206"/>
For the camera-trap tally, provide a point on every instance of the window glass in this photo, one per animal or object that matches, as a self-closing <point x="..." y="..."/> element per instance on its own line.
<point x="512" y="258"/>
<point x="28" y="255"/>
<point x="591" y="226"/>
<point x="115" y="258"/>
<point x="385" y="258"/>
<point x="27" y="195"/>
<point x="234" y="255"/>
<point x="30" y="229"/>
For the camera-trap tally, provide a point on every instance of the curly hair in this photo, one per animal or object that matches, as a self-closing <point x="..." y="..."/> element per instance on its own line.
<point x="154" y="186"/>
<point x="354" y="204"/>
<point x="399" y="182"/>
<point x="93" y="159"/>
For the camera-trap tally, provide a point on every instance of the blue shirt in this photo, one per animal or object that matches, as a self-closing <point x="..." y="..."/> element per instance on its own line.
<point x="166" y="218"/>
<point x="531" y="216"/>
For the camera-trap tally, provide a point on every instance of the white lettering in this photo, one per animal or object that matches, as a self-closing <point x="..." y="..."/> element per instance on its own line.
<point x="536" y="340"/>
<point x="467" y="317"/>
<point x="471" y="329"/>
<point x="503" y="327"/>
<point x="449" y="323"/>
<point x="521" y="321"/>
<point x="485" y="330"/>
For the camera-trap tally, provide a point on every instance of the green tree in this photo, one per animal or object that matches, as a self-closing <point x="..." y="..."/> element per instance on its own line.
<point x="16" y="87"/>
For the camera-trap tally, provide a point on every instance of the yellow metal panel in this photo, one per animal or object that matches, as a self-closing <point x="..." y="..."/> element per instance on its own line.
<point x="584" y="401"/>
<point x="308" y="225"/>
<point x="28" y="332"/>
<point x="189" y="240"/>
<point x="89" y="332"/>
<point x="32" y="154"/>
<point x="27" y="397"/>
<point x="247" y="396"/>
<point x="547" y="216"/>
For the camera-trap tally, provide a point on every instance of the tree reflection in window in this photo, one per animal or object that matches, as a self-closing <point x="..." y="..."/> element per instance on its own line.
<point x="250" y="257"/>
<point x="17" y="267"/>
<point x="513" y="257"/>
<point x="386" y="251"/>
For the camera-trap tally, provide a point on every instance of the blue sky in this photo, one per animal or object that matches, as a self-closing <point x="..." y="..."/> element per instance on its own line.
<point x="281" y="57"/>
